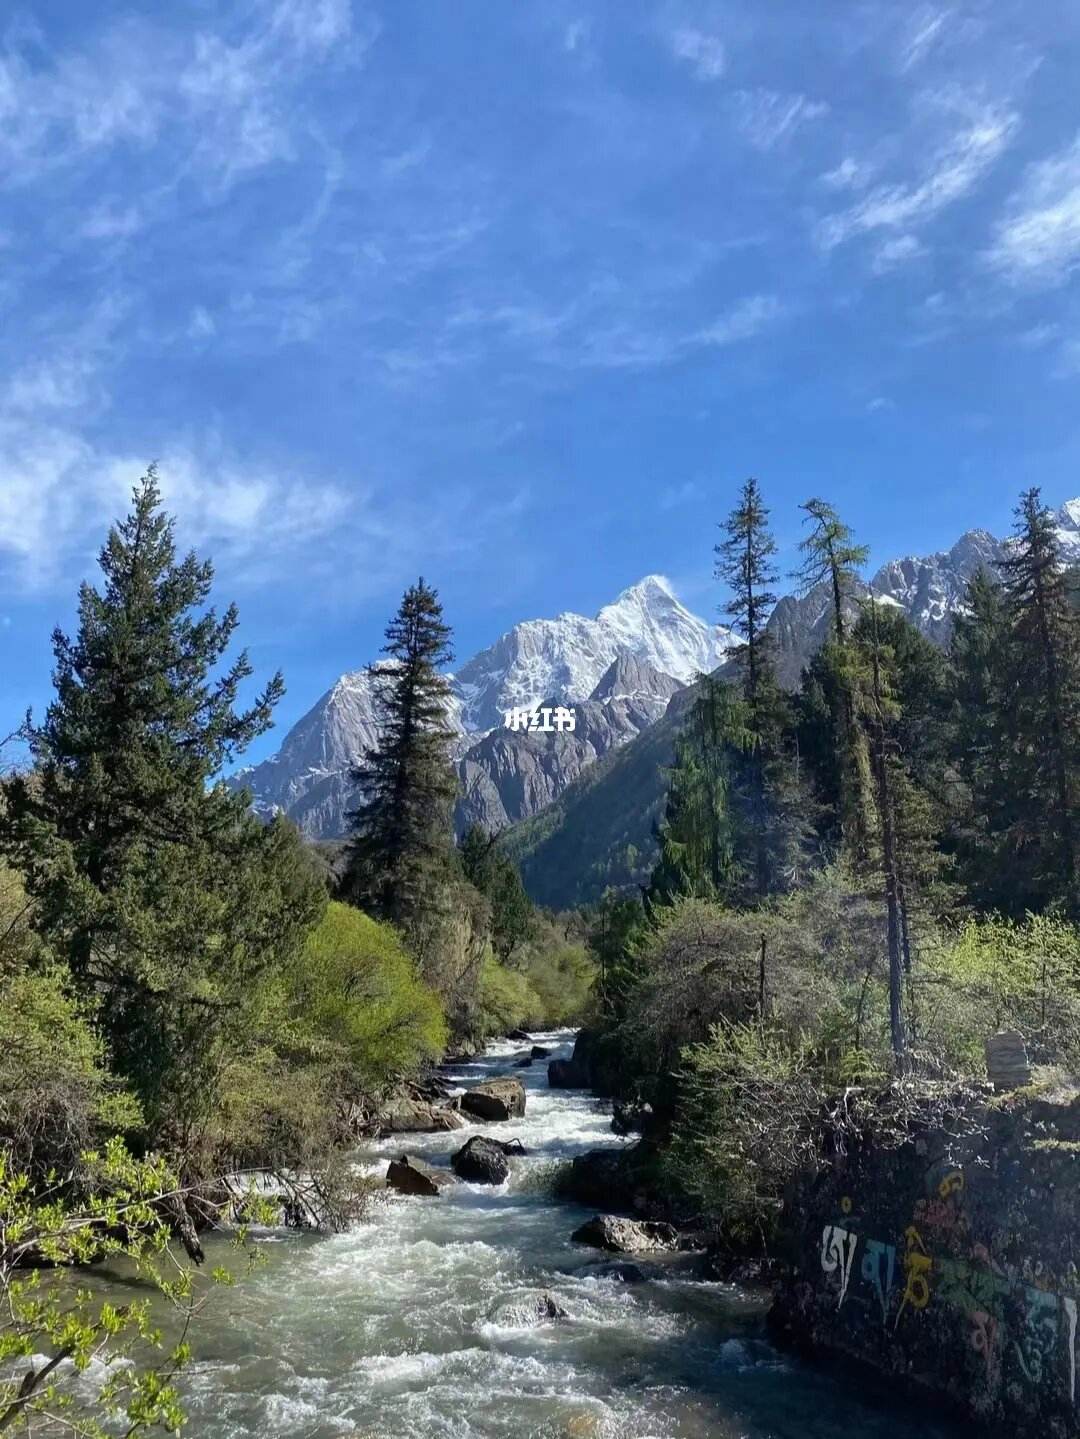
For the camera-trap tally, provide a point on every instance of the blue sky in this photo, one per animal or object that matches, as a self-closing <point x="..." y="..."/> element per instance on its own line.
<point x="515" y="295"/>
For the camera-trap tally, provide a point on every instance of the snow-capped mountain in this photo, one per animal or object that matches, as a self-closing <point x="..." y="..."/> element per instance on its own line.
<point x="540" y="659"/>
<point x="619" y="669"/>
<point x="645" y="641"/>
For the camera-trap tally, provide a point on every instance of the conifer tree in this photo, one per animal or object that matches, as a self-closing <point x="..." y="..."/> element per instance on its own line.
<point x="155" y="884"/>
<point x="770" y="798"/>
<point x="982" y="800"/>
<point x="831" y="557"/>
<point x="402" y="851"/>
<point x="696" y="841"/>
<point x="1044" y="707"/>
<point x="497" y="878"/>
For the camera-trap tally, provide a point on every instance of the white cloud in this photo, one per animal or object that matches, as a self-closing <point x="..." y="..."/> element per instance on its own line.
<point x="107" y="222"/>
<point x="924" y="32"/>
<point x="743" y="321"/>
<point x="893" y="253"/>
<point x="879" y="404"/>
<point x="700" y="49"/>
<point x="850" y="174"/>
<point x="956" y="167"/>
<point x="1038" y="241"/>
<point x="202" y="324"/>
<point x="1039" y="336"/>
<point x="575" y="36"/>
<point x="768" y="118"/>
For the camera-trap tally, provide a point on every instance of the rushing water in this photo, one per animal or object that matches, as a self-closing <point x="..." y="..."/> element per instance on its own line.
<point x="413" y="1325"/>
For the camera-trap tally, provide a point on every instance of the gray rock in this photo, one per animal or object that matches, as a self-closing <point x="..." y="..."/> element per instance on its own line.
<point x="502" y="1098"/>
<point x="409" y="1175"/>
<point x="525" y="1062"/>
<point x="567" y="1074"/>
<point x="403" y="1115"/>
<point x="481" y="1161"/>
<point x="526" y="1310"/>
<point x="627" y="1236"/>
<point x="539" y="1052"/>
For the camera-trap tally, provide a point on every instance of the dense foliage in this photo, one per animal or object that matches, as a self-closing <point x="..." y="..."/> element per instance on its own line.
<point x="858" y="883"/>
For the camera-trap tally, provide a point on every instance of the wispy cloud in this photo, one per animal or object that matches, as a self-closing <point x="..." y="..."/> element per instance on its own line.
<point x="925" y="29"/>
<point x="700" y="49"/>
<point x="1038" y="241"/>
<point x="850" y="174"/>
<point x="891" y="254"/>
<point x="956" y="167"/>
<point x="749" y="317"/>
<point x="768" y="118"/>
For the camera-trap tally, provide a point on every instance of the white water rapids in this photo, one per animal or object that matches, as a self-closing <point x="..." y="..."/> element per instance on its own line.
<point x="412" y="1325"/>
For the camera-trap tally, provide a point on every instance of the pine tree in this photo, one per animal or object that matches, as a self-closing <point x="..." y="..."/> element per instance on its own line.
<point x="1045" y="706"/>
<point x="832" y="558"/>
<point x="982" y="799"/>
<point x="401" y="853"/>
<point x="768" y="794"/>
<point x="155" y="884"/>
<point x="497" y="878"/>
<point x="695" y="837"/>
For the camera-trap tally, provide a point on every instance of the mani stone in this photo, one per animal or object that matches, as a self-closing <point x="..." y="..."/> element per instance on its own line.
<point x="1006" y="1060"/>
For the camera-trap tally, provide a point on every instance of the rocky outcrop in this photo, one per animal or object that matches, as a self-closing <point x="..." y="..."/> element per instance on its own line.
<point x="403" y="1115"/>
<point x="585" y="1069"/>
<point x="525" y="1062"/>
<point x="949" y="1262"/>
<point x="481" y="1161"/>
<point x="631" y="1117"/>
<point x="600" y="1177"/>
<point x="627" y="1236"/>
<point x="565" y="1074"/>
<point x="539" y="1052"/>
<point x="409" y="1175"/>
<point x="502" y="1098"/>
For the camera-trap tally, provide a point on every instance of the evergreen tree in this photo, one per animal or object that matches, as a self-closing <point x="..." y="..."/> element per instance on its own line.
<point x="982" y="800"/>
<point x="497" y="878"/>
<point x="1043" y="709"/>
<point x="162" y="893"/>
<point x="695" y="837"/>
<point x="831" y="558"/>
<point x="767" y="794"/>
<point x="401" y="855"/>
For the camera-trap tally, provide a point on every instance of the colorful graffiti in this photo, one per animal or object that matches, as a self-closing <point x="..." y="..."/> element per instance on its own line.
<point x="1012" y="1314"/>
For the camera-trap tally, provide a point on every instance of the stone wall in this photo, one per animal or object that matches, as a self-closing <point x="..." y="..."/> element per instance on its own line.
<point x="949" y="1266"/>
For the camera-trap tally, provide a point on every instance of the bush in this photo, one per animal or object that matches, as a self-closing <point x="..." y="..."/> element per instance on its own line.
<point x="507" y="1000"/>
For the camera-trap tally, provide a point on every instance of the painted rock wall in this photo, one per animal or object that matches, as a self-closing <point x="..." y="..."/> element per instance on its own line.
<point x="953" y="1266"/>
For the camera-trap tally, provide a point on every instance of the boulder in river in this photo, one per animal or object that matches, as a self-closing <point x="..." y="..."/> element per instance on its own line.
<point x="539" y="1052"/>
<point x="627" y="1236"/>
<point x="404" y="1115"/>
<point x="502" y="1098"/>
<point x="481" y="1161"/>
<point x="409" y="1175"/>
<point x="524" y="1310"/>
<point x="567" y="1074"/>
<point x="519" y="1034"/>
<point x="525" y="1062"/>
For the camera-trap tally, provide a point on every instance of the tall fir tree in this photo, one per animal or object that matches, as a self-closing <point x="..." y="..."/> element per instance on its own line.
<point x="696" y="836"/>
<point x="1043" y="709"/>
<point x="831" y="558"/>
<point x="401" y="855"/>
<point x="151" y="879"/>
<point x="771" y="799"/>
<point x="496" y="877"/>
<point x="982" y="799"/>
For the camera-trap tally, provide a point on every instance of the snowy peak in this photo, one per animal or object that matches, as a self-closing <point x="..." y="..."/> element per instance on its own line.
<point x="566" y="657"/>
<point x="1067" y="522"/>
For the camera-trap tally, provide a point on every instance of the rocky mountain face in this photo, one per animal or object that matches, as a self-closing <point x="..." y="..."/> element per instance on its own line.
<point x="618" y="671"/>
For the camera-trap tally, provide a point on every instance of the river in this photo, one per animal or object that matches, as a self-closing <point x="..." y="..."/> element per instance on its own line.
<point x="413" y="1325"/>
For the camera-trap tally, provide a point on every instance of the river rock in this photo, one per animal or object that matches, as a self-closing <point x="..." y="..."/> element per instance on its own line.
<point x="519" y="1034"/>
<point x="621" y="1273"/>
<point x="539" y="1052"/>
<point x="524" y="1310"/>
<point x="628" y="1117"/>
<point x="481" y="1161"/>
<point x="409" y="1175"/>
<point x="525" y="1062"/>
<point x="567" y="1074"/>
<point x="403" y="1115"/>
<point x="599" y="1177"/>
<point x="502" y="1098"/>
<point x="626" y="1236"/>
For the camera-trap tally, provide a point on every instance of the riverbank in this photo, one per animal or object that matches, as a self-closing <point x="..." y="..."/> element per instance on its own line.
<point x="421" y="1321"/>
